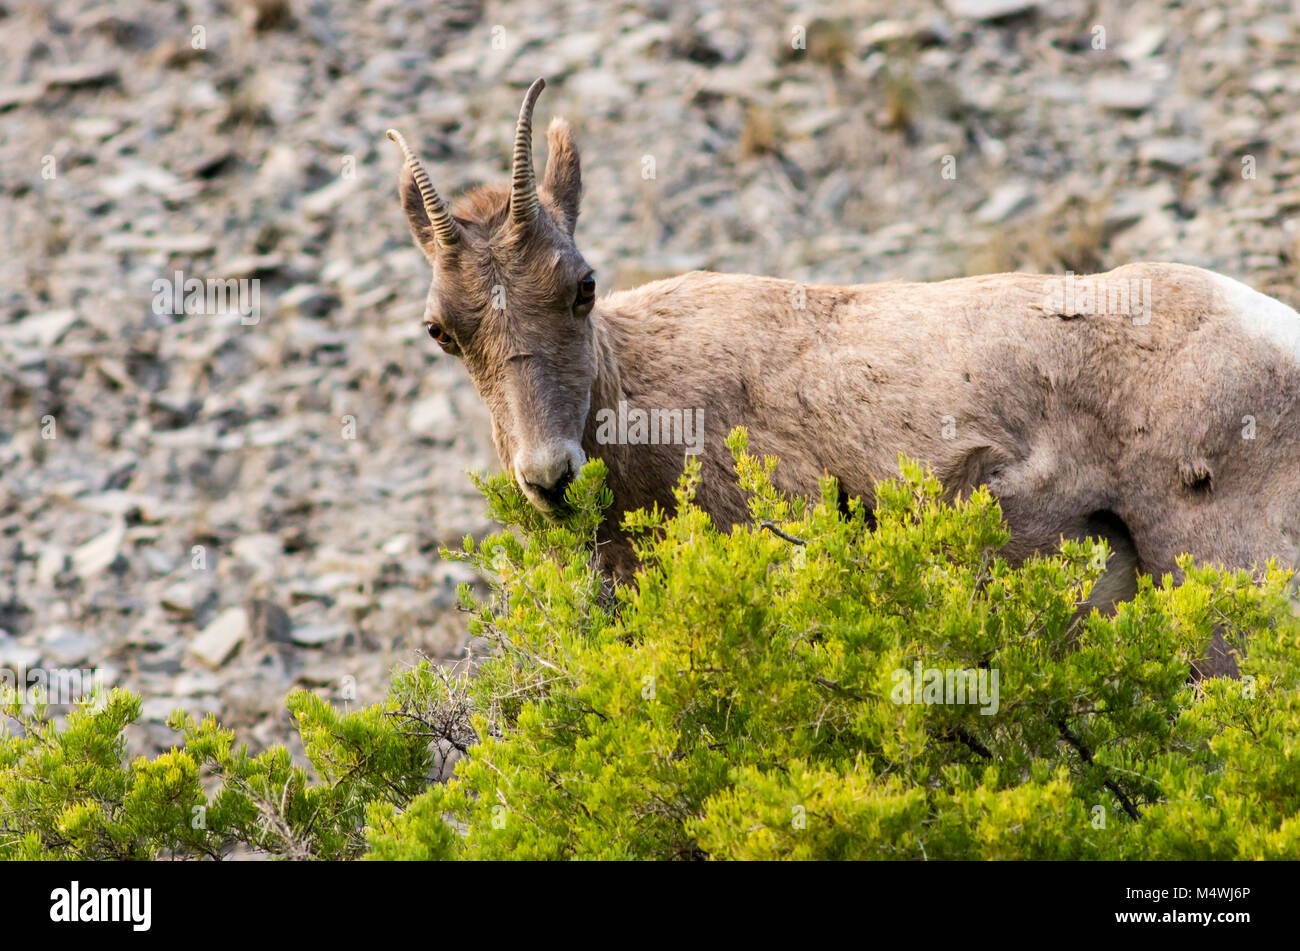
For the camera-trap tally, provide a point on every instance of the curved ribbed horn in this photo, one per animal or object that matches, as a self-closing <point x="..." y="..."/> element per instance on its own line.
<point x="445" y="229"/>
<point x="523" y="183"/>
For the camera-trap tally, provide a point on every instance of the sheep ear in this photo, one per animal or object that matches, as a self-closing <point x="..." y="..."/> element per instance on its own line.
<point x="416" y="217"/>
<point x="563" y="172"/>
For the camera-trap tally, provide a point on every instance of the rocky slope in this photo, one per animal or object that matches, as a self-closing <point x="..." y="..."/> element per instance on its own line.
<point x="212" y="510"/>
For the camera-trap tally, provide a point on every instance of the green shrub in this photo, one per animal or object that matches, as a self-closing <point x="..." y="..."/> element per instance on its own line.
<point x="748" y="698"/>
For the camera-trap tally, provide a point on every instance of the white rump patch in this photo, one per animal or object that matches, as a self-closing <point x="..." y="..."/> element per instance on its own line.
<point x="1261" y="315"/>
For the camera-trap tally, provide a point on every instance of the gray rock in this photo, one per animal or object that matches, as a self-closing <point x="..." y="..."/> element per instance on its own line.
<point x="432" y="415"/>
<point x="990" y="9"/>
<point x="67" y="647"/>
<point x="1128" y="207"/>
<point x="82" y="76"/>
<point x="1005" y="203"/>
<point x="1122" y="94"/>
<point x="269" y="621"/>
<point x="158" y="561"/>
<point x="220" y="639"/>
<point x="186" y="598"/>
<point x="16" y="655"/>
<point x="20" y="95"/>
<point x="97" y="555"/>
<point x="51" y="563"/>
<point x="325" y="200"/>
<point x="151" y="178"/>
<point x="159" y="709"/>
<point x="1176" y="153"/>
<point x="261" y="550"/>
<point x="307" y="300"/>
<point x="196" y="683"/>
<point x="317" y="635"/>
<point x="1143" y="43"/>
<point x="250" y="266"/>
<point x="43" y="329"/>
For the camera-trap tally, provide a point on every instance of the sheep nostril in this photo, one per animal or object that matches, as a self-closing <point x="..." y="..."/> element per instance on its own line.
<point x="554" y="493"/>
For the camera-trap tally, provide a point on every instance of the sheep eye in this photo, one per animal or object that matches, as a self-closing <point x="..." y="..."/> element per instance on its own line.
<point x="438" y="334"/>
<point x="586" y="291"/>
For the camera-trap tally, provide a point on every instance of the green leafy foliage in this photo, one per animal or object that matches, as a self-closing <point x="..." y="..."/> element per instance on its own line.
<point x="72" y="793"/>
<point x="811" y="684"/>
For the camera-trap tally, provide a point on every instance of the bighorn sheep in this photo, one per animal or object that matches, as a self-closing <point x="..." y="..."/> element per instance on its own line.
<point x="1157" y="405"/>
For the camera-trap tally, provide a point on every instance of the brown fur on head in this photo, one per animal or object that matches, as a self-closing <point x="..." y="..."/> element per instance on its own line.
<point x="511" y="297"/>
